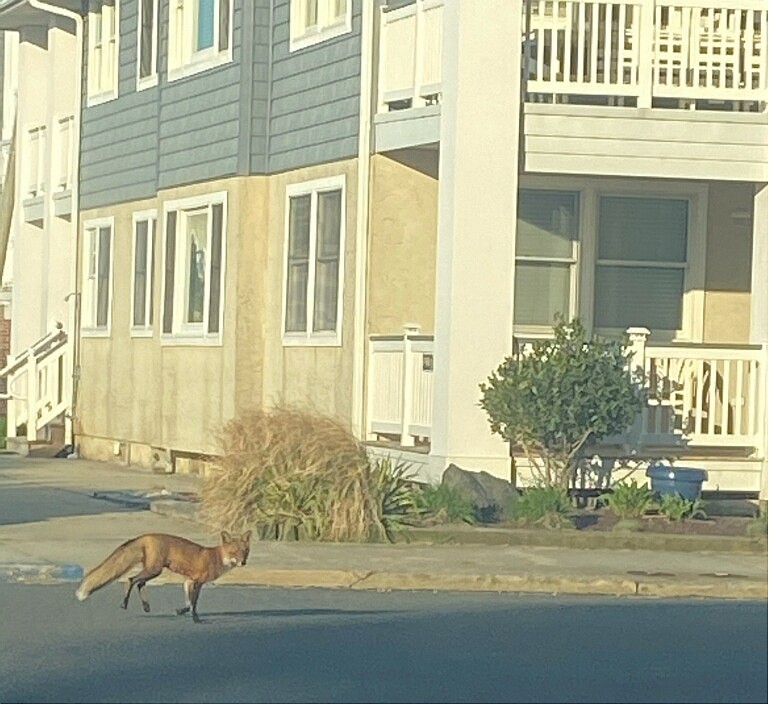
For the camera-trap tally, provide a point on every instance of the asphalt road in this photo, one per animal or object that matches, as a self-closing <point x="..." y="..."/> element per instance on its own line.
<point x="260" y="645"/>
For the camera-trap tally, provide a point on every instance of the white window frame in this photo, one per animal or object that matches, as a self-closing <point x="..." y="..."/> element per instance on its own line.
<point x="146" y="329"/>
<point x="590" y="191"/>
<point x="184" y="332"/>
<point x="37" y="154"/>
<point x="89" y="298"/>
<point x="314" y="188"/>
<point x="182" y="58"/>
<point x="144" y="82"/>
<point x="328" y="26"/>
<point x="64" y="153"/>
<point x="103" y="69"/>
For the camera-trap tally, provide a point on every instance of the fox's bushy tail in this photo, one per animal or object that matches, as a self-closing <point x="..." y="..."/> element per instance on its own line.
<point x="120" y="561"/>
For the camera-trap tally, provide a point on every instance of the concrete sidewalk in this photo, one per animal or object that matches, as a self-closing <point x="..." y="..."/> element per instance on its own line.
<point x="61" y="548"/>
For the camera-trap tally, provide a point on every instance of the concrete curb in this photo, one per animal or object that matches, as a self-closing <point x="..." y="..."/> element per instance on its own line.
<point x="716" y="588"/>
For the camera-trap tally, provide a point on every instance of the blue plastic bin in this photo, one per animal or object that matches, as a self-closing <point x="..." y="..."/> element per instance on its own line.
<point x="686" y="482"/>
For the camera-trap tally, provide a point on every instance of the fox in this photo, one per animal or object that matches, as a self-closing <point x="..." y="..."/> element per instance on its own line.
<point x="153" y="552"/>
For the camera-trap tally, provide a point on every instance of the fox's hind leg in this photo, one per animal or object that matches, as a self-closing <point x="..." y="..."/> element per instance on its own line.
<point x="140" y="581"/>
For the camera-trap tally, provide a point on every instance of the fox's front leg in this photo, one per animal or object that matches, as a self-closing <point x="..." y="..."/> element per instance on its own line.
<point x="187" y="597"/>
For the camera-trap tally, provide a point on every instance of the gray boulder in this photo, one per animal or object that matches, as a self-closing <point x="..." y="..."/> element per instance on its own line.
<point x="489" y="494"/>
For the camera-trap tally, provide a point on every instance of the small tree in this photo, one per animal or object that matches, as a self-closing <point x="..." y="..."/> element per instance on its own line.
<point x="554" y="402"/>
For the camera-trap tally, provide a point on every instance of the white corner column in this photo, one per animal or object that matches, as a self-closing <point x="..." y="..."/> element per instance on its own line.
<point x="758" y="321"/>
<point x="478" y="170"/>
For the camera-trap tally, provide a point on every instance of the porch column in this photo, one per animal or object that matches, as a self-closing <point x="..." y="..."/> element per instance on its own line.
<point x="478" y="169"/>
<point x="758" y="320"/>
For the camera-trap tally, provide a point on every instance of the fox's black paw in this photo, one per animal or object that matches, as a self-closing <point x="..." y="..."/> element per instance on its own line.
<point x="146" y="608"/>
<point x="182" y="610"/>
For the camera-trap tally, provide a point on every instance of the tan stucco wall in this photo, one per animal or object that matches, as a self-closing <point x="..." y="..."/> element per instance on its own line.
<point x="318" y="378"/>
<point x="728" y="263"/>
<point x="402" y="245"/>
<point x="136" y="390"/>
<point x="146" y="394"/>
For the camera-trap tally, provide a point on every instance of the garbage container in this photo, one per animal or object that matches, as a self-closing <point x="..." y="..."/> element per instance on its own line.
<point x="685" y="482"/>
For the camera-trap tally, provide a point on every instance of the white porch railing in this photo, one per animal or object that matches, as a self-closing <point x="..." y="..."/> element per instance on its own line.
<point x="707" y="396"/>
<point x="37" y="386"/>
<point x="699" y="396"/>
<point x="400" y="389"/>
<point x="692" y="50"/>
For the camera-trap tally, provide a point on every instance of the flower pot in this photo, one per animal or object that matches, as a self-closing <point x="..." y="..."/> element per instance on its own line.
<point x="686" y="482"/>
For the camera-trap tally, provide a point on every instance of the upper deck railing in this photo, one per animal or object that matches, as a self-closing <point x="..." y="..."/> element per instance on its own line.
<point x="684" y="54"/>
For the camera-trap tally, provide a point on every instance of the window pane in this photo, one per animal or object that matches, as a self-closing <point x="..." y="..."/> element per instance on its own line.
<point x="310" y="13"/>
<point x="547" y="223"/>
<point x="299" y="227"/>
<point x="642" y="229"/>
<point x="541" y="291"/>
<point x="214" y="306"/>
<point x="169" y="272"/>
<point x="141" y="271"/>
<point x="650" y="297"/>
<point x="196" y="240"/>
<point x="146" y="36"/>
<point x="223" y="24"/>
<point x="103" y="277"/>
<point x="205" y="24"/>
<point x="327" y="261"/>
<point x="296" y="297"/>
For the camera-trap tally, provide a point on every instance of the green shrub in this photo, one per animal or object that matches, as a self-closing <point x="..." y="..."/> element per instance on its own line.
<point x="293" y="475"/>
<point x="678" y="508"/>
<point x="439" y="503"/>
<point x="759" y="525"/>
<point x="554" y="403"/>
<point x="628" y="500"/>
<point x="396" y="496"/>
<point x="543" y="505"/>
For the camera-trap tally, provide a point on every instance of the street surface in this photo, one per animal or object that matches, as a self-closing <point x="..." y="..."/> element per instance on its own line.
<point x="262" y="645"/>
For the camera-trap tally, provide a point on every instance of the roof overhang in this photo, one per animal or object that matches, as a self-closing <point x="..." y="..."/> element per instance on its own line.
<point x="17" y="14"/>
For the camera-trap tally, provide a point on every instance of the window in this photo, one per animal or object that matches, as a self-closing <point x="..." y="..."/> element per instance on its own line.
<point x="97" y="275"/>
<point x="64" y="161"/>
<point x="546" y="257"/>
<point x="315" y="214"/>
<point x="143" y="256"/>
<point x="616" y="254"/>
<point x="642" y="256"/>
<point x="200" y="35"/>
<point x="195" y="231"/>
<point x="102" y="81"/>
<point x="147" y="35"/>
<point x="315" y="21"/>
<point x="36" y="165"/>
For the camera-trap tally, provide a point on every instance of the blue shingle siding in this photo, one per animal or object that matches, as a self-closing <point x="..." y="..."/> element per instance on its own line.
<point x="314" y="96"/>
<point x="267" y="111"/>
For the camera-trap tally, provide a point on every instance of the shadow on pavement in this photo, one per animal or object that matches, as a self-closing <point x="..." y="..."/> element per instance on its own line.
<point x="27" y="504"/>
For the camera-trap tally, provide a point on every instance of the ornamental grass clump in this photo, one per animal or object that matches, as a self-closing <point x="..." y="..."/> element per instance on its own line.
<point x="540" y="505"/>
<point x="297" y="475"/>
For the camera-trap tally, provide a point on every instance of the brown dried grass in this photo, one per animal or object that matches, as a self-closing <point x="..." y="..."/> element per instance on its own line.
<point x="292" y="474"/>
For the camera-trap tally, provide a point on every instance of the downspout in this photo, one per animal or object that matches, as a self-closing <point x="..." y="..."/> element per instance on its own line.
<point x="362" y="218"/>
<point x="78" y="19"/>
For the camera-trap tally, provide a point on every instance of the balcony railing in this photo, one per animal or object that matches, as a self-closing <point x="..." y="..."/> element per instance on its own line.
<point x="698" y="396"/>
<point x="628" y="52"/>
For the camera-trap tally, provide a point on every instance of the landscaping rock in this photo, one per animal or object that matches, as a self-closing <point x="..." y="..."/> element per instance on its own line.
<point x="489" y="494"/>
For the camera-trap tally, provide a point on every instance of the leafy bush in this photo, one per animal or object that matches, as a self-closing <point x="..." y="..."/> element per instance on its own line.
<point x="759" y="524"/>
<point x="570" y="392"/>
<point x="439" y="503"/>
<point x="396" y="496"/>
<point x="629" y="500"/>
<point x="296" y="475"/>
<point x="543" y="505"/>
<point x="678" y="508"/>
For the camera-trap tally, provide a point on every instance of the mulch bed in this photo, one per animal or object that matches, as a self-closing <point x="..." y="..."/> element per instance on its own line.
<point x="604" y="520"/>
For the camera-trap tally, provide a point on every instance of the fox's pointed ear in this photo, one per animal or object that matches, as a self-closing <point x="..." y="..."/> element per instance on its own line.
<point x="246" y="536"/>
<point x="225" y="537"/>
